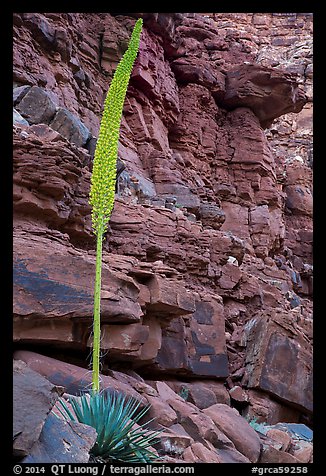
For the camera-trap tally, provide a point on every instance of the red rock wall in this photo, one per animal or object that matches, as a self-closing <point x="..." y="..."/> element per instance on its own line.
<point x="207" y="264"/>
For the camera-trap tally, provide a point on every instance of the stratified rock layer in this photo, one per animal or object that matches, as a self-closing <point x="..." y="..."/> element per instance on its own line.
<point x="207" y="264"/>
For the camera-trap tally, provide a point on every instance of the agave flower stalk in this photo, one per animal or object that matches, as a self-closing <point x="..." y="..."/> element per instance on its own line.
<point x="103" y="177"/>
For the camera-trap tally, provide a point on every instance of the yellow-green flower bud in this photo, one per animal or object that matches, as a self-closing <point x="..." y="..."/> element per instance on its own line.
<point x="103" y="178"/>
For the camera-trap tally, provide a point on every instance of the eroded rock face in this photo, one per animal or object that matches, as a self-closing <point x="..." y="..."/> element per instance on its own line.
<point x="33" y="399"/>
<point x="62" y="442"/>
<point x="57" y="281"/>
<point x="292" y="383"/>
<point x="237" y="429"/>
<point x="36" y="106"/>
<point x="211" y="232"/>
<point x="263" y="91"/>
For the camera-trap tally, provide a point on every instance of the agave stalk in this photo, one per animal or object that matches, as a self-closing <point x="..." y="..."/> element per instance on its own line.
<point x="103" y="177"/>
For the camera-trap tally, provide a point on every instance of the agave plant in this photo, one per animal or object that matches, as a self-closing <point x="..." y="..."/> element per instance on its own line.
<point x="103" y="179"/>
<point x="115" y="417"/>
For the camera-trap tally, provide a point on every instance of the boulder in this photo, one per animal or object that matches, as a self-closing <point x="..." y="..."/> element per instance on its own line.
<point x="299" y="200"/>
<point x="230" y="277"/>
<point x="239" y="396"/>
<point x="265" y="408"/>
<point x="36" y="106"/>
<point x="203" y="394"/>
<point x="298" y="431"/>
<point x="161" y="412"/>
<point x="19" y="92"/>
<point x="199" y="425"/>
<point x="237" y="429"/>
<point x="281" y="437"/>
<point x="18" y="118"/>
<point x="231" y="455"/>
<point x="279" y="362"/>
<point x="41" y="28"/>
<point x="272" y="455"/>
<point x="165" y="392"/>
<point x="74" y="379"/>
<point x="70" y="127"/>
<point x="302" y="450"/>
<point x="33" y="399"/>
<point x="199" y="453"/>
<point x="62" y="442"/>
<point x="217" y="387"/>
<point x="173" y="443"/>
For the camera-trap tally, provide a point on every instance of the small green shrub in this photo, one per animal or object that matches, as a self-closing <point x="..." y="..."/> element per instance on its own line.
<point x="113" y="416"/>
<point x="184" y="393"/>
<point x="261" y="427"/>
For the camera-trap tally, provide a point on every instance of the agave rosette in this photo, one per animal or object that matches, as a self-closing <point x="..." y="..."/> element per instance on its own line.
<point x="115" y="417"/>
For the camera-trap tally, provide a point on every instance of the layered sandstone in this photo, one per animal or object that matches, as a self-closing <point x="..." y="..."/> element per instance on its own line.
<point x="207" y="266"/>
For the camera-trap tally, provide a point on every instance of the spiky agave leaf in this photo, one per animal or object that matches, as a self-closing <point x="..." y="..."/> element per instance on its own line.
<point x="114" y="417"/>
